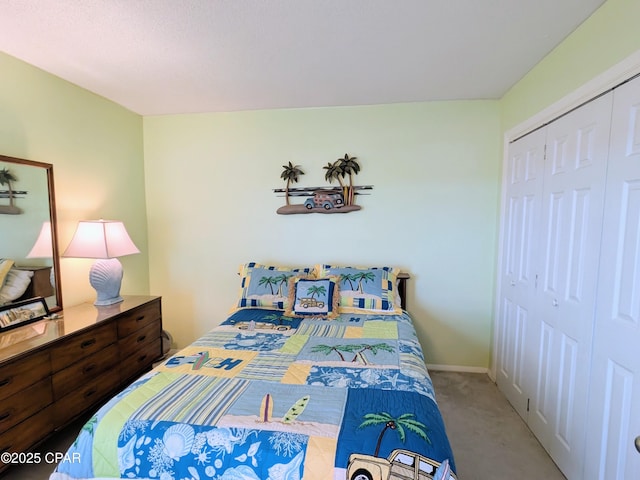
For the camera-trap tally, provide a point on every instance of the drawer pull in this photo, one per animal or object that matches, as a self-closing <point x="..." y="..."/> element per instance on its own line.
<point x="4" y="416"/>
<point x="141" y="358"/>
<point x="89" y="393"/>
<point x="88" y="343"/>
<point x="89" y="368"/>
<point x="5" y="381"/>
<point x="141" y="317"/>
<point x="141" y="338"/>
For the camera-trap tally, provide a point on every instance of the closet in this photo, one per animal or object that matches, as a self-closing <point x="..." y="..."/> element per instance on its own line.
<point x="568" y="325"/>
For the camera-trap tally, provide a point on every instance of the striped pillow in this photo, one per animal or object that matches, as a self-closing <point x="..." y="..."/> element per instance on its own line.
<point x="266" y="286"/>
<point x="365" y="290"/>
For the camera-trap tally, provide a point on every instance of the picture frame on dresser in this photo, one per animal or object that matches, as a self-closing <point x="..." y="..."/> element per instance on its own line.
<point x="22" y="313"/>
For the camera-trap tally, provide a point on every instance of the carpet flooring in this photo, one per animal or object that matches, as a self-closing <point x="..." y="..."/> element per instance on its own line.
<point x="488" y="438"/>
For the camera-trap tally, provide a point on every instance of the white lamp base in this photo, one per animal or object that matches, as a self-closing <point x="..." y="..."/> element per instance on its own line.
<point x="106" y="277"/>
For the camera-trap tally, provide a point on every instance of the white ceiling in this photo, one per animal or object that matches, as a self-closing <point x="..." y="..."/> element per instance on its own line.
<point x="186" y="56"/>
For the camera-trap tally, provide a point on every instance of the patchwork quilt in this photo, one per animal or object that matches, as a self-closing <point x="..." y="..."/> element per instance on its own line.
<point x="266" y="396"/>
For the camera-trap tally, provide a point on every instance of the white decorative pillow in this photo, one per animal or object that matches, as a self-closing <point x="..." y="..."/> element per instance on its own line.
<point x="15" y="285"/>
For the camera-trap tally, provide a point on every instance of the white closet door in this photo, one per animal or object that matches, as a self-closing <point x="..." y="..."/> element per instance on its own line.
<point x="521" y="222"/>
<point x="614" y="411"/>
<point x="562" y="328"/>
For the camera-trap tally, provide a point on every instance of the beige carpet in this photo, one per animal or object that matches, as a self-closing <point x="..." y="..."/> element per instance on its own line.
<point x="488" y="438"/>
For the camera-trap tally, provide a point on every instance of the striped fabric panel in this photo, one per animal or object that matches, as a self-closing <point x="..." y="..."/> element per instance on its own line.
<point x="410" y="362"/>
<point x="378" y="303"/>
<point x="215" y="339"/>
<point x="192" y="399"/>
<point x="268" y="366"/>
<point x="325" y="329"/>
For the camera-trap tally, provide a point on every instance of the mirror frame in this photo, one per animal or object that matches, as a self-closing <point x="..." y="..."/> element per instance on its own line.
<point x="54" y="224"/>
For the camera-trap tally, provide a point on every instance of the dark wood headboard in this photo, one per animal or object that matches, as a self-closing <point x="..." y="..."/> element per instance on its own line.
<point x="402" y="288"/>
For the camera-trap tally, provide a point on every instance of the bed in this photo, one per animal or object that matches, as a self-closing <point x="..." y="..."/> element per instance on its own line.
<point x="316" y="373"/>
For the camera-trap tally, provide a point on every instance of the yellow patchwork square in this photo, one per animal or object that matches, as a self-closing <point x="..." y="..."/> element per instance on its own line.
<point x="320" y="458"/>
<point x="296" y="374"/>
<point x="216" y="362"/>
<point x="353" y="332"/>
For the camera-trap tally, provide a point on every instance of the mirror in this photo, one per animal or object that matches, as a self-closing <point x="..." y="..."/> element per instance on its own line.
<point x="28" y="231"/>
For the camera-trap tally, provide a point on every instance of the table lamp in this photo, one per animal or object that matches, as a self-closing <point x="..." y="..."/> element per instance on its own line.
<point x="43" y="247"/>
<point x="104" y="240"/>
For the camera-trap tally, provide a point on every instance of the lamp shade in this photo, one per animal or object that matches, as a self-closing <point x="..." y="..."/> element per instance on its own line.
<point x="100" y="239"/>
<point x="104" y="240"/>
<point x="43" y="248"/>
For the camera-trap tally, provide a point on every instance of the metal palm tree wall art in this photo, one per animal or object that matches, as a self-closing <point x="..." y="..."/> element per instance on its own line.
<point x="7" y="178"/>
<point x="290" y="174"/>
<point x="339" y="199"/>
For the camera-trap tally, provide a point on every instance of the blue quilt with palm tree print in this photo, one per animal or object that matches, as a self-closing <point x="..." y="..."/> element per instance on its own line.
<point x="265" y="396"/>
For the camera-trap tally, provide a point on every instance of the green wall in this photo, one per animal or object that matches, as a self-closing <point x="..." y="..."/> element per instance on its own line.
<point x="95" y="147"/>
<point x="432" y="211"/>
<point x="606" y="38"/>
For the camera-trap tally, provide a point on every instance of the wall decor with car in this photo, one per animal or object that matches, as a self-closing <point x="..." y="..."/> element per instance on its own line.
<point x="331" y="199"/>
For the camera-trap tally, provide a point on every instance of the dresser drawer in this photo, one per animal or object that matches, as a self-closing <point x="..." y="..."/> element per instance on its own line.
<point x="137" y="341"/>
<point x="139" y="318"/>
<point x="70" y="351"/>
<point x="23" y="372"/>
<point x="24" y="404"/>
<point x="22" y="437"/>
<point x="84" y="370"/>
<point x="140" y="361"/>
<point x="85" y="397"/>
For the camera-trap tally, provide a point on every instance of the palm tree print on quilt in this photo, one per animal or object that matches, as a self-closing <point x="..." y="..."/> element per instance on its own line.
<point x="376" y="422"/>
<point x="357" y="351"/>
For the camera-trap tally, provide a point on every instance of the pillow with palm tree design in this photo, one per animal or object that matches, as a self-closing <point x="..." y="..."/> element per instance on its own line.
<point x="266" y="286"/>
<point x="365" y="290"/>
<point x="312" y="297"/>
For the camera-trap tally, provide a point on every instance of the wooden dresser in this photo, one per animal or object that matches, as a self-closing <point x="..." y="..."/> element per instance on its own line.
<point x="53" y="371"/>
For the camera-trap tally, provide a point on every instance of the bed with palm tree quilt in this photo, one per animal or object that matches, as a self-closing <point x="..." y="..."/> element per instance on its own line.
<point x="316" y="374"/>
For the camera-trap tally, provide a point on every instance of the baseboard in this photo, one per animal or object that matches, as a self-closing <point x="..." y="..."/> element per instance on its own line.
<point x="457" y="368"/>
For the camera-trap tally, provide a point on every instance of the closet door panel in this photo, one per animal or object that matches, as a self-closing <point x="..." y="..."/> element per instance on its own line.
<point x="523" y="196"/>
<point x="572" y="209"/>
<point x="614" y="410"/>
<point x="543" y="397"/>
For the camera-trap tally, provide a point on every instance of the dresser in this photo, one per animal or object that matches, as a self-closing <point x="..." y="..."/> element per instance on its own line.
<point x="53" y="371"/>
